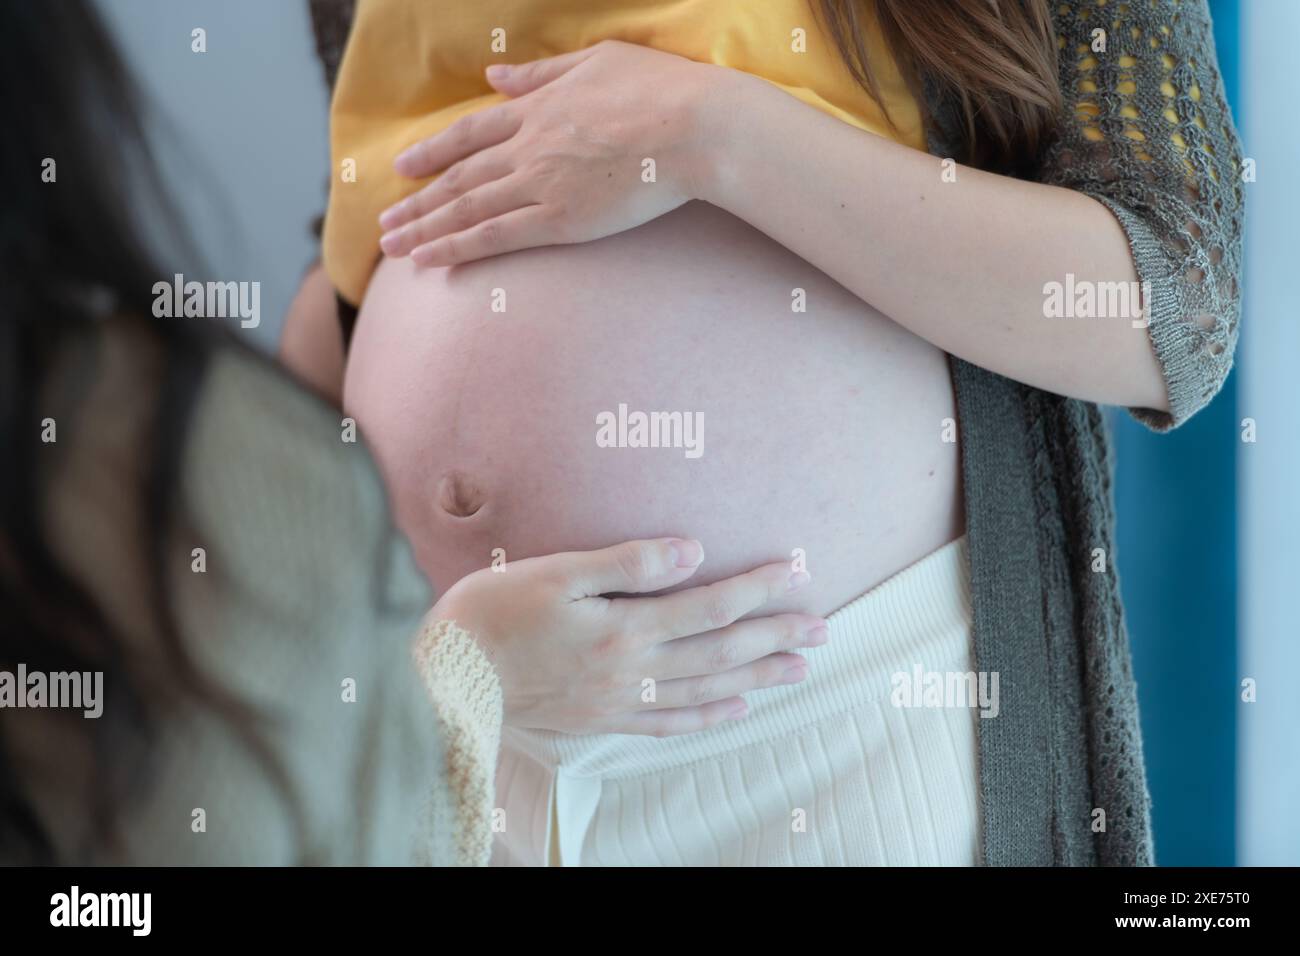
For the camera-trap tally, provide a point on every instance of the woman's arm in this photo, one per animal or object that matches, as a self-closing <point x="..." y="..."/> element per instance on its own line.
<point x="311" y="343"/>
<point x="1141" y="185"/>
<point x="962" y="263"/>
<point x="308" y="602"/>
<point x="546" y="608"/>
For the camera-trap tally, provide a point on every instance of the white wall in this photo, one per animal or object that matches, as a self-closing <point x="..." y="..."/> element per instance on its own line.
<point x="241" y="132"/>
<point x="1268" y="830"/>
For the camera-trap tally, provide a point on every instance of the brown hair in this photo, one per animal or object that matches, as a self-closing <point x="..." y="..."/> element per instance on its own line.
<point x="994" y="60"/>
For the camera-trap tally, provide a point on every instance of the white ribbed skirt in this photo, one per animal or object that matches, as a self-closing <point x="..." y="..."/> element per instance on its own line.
<point x="843" y="769"/>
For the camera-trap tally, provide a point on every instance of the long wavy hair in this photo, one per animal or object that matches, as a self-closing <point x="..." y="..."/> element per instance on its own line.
<point x="72" y="260"/>
<point x="995" y="61"/>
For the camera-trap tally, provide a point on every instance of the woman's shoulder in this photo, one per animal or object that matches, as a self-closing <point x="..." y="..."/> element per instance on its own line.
<point x="319" y="602"/>
<point x="286" y="482"/>
<point x="291" y="593"/>
<point x="270" y="487"/>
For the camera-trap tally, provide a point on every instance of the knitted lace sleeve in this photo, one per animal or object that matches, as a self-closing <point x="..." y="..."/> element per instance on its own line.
<point x="1147" y="132"/>
<point x="467" y="703"/>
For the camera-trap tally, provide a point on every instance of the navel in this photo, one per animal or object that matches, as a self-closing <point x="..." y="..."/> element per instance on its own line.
<point x="459" y="495"/>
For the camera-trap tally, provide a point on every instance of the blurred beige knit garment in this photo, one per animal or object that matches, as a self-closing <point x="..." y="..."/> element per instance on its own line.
<point x="826" y="772"/>
<point x="305" y="614"/>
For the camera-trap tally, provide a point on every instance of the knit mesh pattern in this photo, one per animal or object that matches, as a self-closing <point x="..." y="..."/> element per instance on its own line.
<point x="1094" y="696"/>
<point x="467" y="700"/>
<point x="1147" y="132"/>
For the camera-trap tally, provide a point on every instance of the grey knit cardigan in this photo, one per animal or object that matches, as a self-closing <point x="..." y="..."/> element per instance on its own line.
<point x="1147" y="132"/>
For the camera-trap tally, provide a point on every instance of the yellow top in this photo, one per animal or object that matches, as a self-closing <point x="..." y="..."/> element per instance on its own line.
<point x="411" y="68"/>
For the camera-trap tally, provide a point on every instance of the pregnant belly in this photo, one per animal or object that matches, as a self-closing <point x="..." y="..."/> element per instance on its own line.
<point x="511" y="404"/>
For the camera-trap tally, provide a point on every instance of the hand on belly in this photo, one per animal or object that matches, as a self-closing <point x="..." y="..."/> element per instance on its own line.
<point x="658" y="382"/>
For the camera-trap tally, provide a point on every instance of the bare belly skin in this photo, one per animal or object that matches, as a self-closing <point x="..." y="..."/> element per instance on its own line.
<point x="821" y="430"/>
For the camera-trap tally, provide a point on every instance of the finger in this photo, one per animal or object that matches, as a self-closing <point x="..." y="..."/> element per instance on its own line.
<point x="485" y="167"/>
<point x="740" y="643"/>
<point x="681" y="720"/>
<point x="521" y="228"/>
<point x="469" y="134"/>
<point x="771" y="671"/>
<point x="711" y="607"/>
<point x="478" y="205"/>
<point x="633" y="567"/>
<point x="520" y="78"/>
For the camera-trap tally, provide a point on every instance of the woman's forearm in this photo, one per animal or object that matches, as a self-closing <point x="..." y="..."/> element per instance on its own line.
<point x="311" y="343"/>
<point x="962" y="264"/>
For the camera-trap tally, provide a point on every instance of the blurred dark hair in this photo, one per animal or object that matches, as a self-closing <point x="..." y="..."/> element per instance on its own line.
<point x="71" y="258"/>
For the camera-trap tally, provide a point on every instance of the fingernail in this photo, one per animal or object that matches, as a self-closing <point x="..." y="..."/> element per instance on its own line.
<point x="686" y="554"/>
<point x="390" y="243"/>
<point x="795" y="673"/>
<point x="498" y="71"/>
<point x="818" y="636"/>
<point x="738" y="709"/>
<point x="388" y="218"/>
<point x="798" y="580"/>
